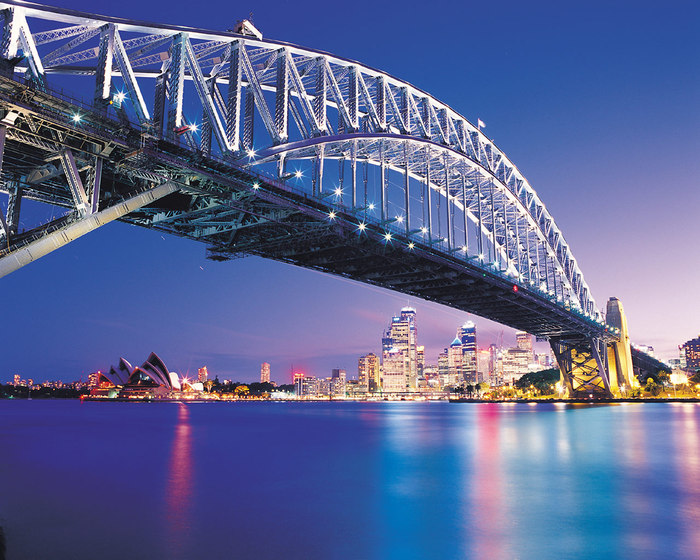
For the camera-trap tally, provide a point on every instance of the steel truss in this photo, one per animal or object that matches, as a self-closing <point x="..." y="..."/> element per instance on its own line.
<point x="273" y="149"/>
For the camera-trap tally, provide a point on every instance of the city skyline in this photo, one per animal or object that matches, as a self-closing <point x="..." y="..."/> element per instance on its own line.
<point x="577" y="124"/>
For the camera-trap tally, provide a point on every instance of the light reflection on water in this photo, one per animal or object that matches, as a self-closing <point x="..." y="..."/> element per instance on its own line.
<point x="178" y="491"/>
<point x="350" y="480"/>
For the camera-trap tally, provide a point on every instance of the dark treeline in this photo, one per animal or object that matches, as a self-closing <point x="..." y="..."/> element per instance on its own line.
<point x="21" y="392"/>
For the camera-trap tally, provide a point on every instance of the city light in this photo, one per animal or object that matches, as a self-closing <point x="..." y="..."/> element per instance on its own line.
<point x="361" y="226"/>
<point x="251" y="153"/>
<point x="411" y="245"/>
<point x="424" y="229"/>
<point x="256" y="186"/>
<point x="331" y="215"/>
<point x="298" y="174"/>
<point x="387" y="236"/>
<point x="338" y="191"/>
<point x="76" y="118"/>
<point x="371" y="206"/>
<point x="399" y="219"/>
<point x="193" y="127"/>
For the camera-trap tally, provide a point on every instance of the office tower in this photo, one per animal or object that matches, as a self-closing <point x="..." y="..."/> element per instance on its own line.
<point x="444" y="368"/>
<point x="524" y="342"/>
<point x="264" y="372"/>
<point x="394" y="365"/>
<point x="454" y="363"/>
<point x="17" y="380"/>
<point x="368" y="373"/>
<point x="483" y="366"/>
<point x="337" y="383"/>
<point x="467" y="337"/>
<point x="202" y="374"/>
<point x="515" y="364"/>
<point x="691" y="352"/>
<point x="420" y="359"/>
<point x="399" y="349"/>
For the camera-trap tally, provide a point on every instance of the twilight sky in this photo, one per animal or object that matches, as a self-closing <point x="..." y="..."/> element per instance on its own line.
<point x="597" y="104"/>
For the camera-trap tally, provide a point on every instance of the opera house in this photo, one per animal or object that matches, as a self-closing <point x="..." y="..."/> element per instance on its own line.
<point x="150" y="380"/>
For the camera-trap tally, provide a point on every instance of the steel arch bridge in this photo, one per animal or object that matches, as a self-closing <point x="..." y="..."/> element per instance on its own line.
<point x="260" y="147"/>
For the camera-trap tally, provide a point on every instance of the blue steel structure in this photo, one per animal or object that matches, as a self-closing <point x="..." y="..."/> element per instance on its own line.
<point x="259" y="147"/>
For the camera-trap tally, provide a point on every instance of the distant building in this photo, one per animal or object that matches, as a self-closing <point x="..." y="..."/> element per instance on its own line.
<point x="17" y="380"/>
<point x="467" y="336"/>
<point x="515" y="364"/>
<point x="454" y="363"/>
<point x="394" y="368"/>
<point x="338" y="383"/>
<point x="523" y="341"/>
<point x="401" y="337"/>
<point x="368" y="373"/>
<point x="420" y="357"/>
<point x="264" y="372"/>
<point x="483" y="365"/>
<point x="93" y="379"/>
<point x="443" y="366"/>
<point x="305" y="386"/>
<point x="202" y="374"/>
<point x="691" y="352"/>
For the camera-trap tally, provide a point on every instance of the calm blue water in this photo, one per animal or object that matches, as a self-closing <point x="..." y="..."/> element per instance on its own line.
<point x="349" y="480"/>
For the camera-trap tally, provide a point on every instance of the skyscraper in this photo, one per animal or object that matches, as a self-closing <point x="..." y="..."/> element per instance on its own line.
<point x="467" y="336"/>
<point x="691" y="349"/>
<point x="399" y="349"/>
<point x="368" y="372"/>
<point x="202" y="374"/>
<point x="524" y="342"/>
<point x="444" y="368"/>
<point x="454" y="363"/>
<point x="264" y="372"/>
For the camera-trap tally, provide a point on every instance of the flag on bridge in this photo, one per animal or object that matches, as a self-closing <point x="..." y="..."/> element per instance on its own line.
<point x="481" y="124"/>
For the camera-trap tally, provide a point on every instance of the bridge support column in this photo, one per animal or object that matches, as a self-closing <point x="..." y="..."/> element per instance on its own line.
<point x="619" y="352"/>
<point x="583" y="367"/>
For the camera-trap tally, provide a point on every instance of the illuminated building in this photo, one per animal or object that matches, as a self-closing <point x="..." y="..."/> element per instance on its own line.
<point x="337" y="383"/>
<point x="420" y="359"/>
<point x="305" y="386"/>
<point x="454" y="363"/>
<point x="444" y="368"/>
<point x="202" y="374"/>
<point x="368" y="373"/>
<point x="691" y="351"/>
<point x="93" y="379"/>
<point x="401" y="337"/>
<point x="264" y="372"/>
<point x="17" y="380"/>
<point x="515" y="364"/>
<point x="467" y="336"/>
<point x="483" y="365"/>
<point x="394" y="371"/>
<point x="523" y="341"/>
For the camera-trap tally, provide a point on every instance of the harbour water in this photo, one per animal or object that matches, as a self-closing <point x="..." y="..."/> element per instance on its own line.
<point x="342" y="480"/>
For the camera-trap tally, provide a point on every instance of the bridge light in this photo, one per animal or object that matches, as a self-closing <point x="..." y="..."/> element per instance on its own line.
<point x="481" y="257"/>
<point x="361" y="226"/>
<point x="194" y="127"/>
<point x="251" y="153"/>
<point x="256" y="186"/>
<point x="76" y="118"/>
<point x="331" y="215"/>
<point x="338" y="191"/>
<point x="298" y="174"/>
<point x="387" y="236"/>
<point x="411" y="245"/>
<point x="464" y="248"/>
<point x="371" y="206"/>
<point x="515" y="289"/>
<point x="424" y="229"/>
<point x="399" y="219"/>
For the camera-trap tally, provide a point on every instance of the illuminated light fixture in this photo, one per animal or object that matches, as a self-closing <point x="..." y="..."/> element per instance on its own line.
<point x="399" y="219"/>
<point x="338" y="191"/>
<point x="298" y="174"/>
<point x="481" y="257"/>
<point x="387" y="236"/>
<point x="194" y="127"/>
<point x="251" y="153"/>
<point x="331" y="215"/>
<point x="361" y="226"/>
<point x="515" y="289"/>
<point x="256" y="186"/>
<point x="424" y="229"/>
<point x="76" y="118"/>
<point x="411" y="245"/>
<point x="371" y="206"/>
<point x="464" y="248"/>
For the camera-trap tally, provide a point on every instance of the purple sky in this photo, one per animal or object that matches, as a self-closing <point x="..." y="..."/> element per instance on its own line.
<point x="598" y="105"/>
